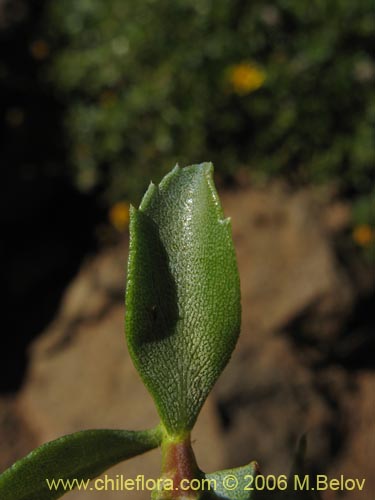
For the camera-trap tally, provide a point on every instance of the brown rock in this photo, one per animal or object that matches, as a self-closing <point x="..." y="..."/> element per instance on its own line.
<point x="285" y="258"/>
<point x="357" y="458"/>
<point x="270" y="394"/>
<point x="16" y="438"/>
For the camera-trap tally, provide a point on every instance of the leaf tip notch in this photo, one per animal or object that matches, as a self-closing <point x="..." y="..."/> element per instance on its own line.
<point x="149" y="196"/>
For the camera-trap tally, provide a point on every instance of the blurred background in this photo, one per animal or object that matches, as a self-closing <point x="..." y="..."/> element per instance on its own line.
<point x="98" y="98"/>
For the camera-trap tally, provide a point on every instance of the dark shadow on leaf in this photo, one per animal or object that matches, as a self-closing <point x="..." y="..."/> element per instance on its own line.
<point x="158" y="307"/>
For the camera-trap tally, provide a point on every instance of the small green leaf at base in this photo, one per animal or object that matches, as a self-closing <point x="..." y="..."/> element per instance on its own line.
<point x="82" y="456"/>
<point x="234" y="484"/>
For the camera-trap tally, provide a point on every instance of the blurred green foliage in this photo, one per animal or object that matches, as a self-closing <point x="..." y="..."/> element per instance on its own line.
<point x="148" y="83"/>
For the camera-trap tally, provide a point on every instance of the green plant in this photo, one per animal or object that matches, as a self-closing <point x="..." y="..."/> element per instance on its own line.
<point x="182" y="323"/>
<point x="144" y="81"/>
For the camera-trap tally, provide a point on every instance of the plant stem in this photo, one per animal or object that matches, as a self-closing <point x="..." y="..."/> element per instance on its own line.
<point x="179" y="467"/>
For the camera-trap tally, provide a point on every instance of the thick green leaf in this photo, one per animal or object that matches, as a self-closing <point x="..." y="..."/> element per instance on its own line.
<point x="82" y="455"/>
<point x="234" y="484"/>
<point x="183" y="294"/>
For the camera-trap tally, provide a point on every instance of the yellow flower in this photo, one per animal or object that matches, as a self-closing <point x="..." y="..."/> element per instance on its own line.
<point x="245" y="78"/>
<point x="119" y="215"/>
<point x="363" y="235"/>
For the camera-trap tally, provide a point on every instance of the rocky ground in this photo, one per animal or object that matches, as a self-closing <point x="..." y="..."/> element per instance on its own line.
<point x="303" y="362"/>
